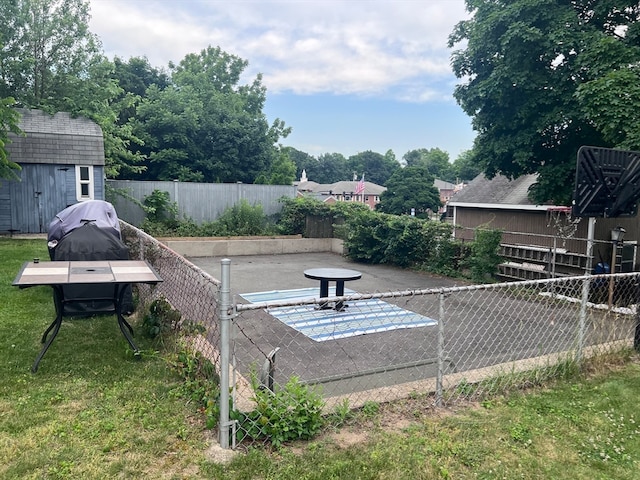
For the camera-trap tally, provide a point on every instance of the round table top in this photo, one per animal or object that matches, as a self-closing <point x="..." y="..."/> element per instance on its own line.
<point x="332" y="274"/>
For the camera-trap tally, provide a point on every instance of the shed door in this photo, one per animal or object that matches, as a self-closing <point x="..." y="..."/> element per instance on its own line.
<point x="40" y="196"/>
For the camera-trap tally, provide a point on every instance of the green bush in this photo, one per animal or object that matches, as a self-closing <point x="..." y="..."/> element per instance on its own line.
<point x="243" y="219"/>
<point x="292" y="413"/>
<point x="293" y="217"/>
<point x="201" y="382"/>
<point x="483" y="260"/>
<point x="161" y="318"/>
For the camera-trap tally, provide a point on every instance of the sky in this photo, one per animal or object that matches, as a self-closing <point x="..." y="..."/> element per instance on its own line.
<point x="346" y="75"/>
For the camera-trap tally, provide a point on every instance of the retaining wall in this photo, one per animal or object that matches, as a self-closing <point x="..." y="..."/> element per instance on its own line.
<point x="222" y="247"/>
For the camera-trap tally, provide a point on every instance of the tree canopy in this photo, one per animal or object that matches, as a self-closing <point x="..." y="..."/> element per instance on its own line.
<point x="8" y="123"/>
<point x="50" y="60"/>
<point x="204" y="126"/>
<point x="540" y="77"/>
<point x="410" y="188"/>
<point x="435" y="160"/>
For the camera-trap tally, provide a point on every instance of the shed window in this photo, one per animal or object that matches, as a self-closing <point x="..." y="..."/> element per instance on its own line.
<point x="84" y="182"/>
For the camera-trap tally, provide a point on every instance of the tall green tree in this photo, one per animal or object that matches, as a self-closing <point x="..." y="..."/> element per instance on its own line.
<point x="527" y="66"/>
<point x="332" y="167"/>
<point x="465" y="167"/>
<point x="206" y="126"/>
<point x="377" y="168"/>
<point x="9" y="119"/>
<point x="47" y="47"/>
<point x="436" y="161"/>
<point x="303" y="161"/>
<point x="282" y="171"/>
<point x="410" y="188"/>
<point x="50" y="60"/>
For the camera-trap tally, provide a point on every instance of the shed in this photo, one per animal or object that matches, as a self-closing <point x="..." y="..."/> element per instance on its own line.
<point x="62" y="160"/>
<point x="533" y="233"/>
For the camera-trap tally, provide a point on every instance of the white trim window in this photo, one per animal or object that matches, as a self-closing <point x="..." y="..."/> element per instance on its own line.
<point x="84" y="182"/>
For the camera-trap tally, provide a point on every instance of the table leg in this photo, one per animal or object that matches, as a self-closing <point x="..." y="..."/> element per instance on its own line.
<point x="339" y="293"/>
<point x="55" y="325"/>
<point x="324" y="293"/>
<point x="125" y="328"/>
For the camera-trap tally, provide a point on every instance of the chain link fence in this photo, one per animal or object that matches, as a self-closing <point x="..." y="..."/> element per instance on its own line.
<point x="289" y="366"/>
<point x="188" y="289"/>
<point x="448" y="345"/>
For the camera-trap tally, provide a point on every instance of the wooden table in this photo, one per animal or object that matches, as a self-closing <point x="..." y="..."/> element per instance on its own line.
<point x="119" y="273"/>
<point x="338" y="275"/>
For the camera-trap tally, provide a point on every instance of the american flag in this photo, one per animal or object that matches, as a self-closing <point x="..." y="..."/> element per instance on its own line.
<point x="360" y="186"/>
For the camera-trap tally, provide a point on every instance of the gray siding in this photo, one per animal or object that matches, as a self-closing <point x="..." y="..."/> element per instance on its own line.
<point x="5" y="207"/>
<point x="201" y="202"/>
<point x="28" y="205"/>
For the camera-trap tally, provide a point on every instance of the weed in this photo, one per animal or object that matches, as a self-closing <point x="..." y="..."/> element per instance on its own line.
<point x="370" y="409"/>
<point x="291" y="413"/>
<point x="161" y="319"/>
<point x="341" y="414"/>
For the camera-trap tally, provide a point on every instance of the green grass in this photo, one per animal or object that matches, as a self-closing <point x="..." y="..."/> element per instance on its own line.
<point x="94" y="411"/>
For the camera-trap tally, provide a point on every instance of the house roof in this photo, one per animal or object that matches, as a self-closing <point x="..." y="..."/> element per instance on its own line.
<point x="498" y="192"/>
<point x="340" y="187"/>
<point x="442" y="185"/>
<point x="56" y="139"/>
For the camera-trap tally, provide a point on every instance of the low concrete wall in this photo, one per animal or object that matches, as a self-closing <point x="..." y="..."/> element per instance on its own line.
<point x="231" y="247"/>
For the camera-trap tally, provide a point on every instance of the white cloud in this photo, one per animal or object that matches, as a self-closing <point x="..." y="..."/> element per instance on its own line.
<point x="325" y="46"/>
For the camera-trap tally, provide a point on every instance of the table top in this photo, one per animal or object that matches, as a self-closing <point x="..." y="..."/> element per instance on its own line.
<point x="334" y="274"/>
<point x="86" y="272"/>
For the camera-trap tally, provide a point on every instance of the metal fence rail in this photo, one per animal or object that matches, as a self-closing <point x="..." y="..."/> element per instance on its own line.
<point x="450" y="344"/>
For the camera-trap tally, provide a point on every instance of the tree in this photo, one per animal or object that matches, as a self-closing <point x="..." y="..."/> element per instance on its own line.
<point x="47" y="48"/>
<point x="377" y="168"/>
<point x="9" y="119"/>
<point x="302" y="161"/>
<point x="332" y="167"/>
<point x="49" y="60"/>
<point x="436" y="161"/>
<point x="205" y="126"/>
<point x="465" y="167"/>
<point x="410" y="188"/>
<point x="282" y="172"/>
<point x="529" y="66"/>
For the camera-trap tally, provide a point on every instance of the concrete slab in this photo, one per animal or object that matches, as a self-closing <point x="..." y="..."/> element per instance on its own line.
<point x="257" y="273"/>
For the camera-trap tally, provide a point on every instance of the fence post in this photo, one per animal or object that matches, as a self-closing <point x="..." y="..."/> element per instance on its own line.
<point x="225" y="321"/>
<point x="585" y="290"/>
<point x="440" y="374"/>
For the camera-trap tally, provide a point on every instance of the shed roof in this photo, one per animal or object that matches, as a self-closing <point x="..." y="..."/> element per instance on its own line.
<point x="498" y="192"/>
<point x="56" y="139"/>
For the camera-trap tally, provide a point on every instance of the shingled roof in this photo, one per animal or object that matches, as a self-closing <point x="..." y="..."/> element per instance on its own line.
<point x="498" y="192"/>
<point x="340" y="187"/>
<point x="58" y="139"/>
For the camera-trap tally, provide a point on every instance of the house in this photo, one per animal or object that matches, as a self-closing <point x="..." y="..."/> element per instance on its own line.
<point x="343" y="191"/>
<point x="533" y="234"/>
<point x="446" y="189"/>
<point x="62" y="160"/>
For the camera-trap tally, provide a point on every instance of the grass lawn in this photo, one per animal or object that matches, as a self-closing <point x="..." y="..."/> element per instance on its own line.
<point x="94" y="411"/>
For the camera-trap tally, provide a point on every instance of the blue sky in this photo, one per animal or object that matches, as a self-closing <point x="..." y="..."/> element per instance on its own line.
<point x="346" y="75"/>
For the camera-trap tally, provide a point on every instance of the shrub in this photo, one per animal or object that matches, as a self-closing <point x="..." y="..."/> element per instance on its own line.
<point x="292" y="413"/>
<point x="483" y="260"/>
<point x="293" y="217"/>
<point x="243" y="219"/>
<point x="160" y="319"/>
